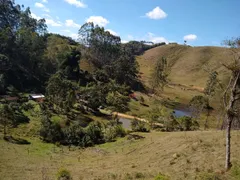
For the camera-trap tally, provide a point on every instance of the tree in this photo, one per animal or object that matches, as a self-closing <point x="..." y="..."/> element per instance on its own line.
<point x="117" y="101"/>
<point x="198" y="105"/>
<point x="160" y="73"/>
<point x="102" y="47"/>
<point x="50" y="132"/>
<point x="125" y="69"/>
<point x="7" y="117"/>
<point x="210" y="90"/>
<point x="56" y="48"/>
<point x="231" y="97"/>
<point x="61" y="91"/>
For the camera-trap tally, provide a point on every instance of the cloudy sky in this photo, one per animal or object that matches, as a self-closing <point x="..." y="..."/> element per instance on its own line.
<point x="199" y="22"/>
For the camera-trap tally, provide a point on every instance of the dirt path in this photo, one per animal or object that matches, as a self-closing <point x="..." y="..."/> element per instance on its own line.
<point x="134" y="118"/>
<point x="187" y="87"/>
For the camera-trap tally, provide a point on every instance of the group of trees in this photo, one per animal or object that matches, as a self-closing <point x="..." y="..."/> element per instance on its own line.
<point x="75" y="134"/>
<point x="21" y="49"/>
<point x="11" y="115"/>
<point x="170" y="122"/>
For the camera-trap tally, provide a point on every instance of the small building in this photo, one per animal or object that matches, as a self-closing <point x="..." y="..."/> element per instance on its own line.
<point x="36" y="97"/>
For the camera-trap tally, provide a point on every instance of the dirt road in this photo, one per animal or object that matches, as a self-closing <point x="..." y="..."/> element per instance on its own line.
<point x="134" y="118"/>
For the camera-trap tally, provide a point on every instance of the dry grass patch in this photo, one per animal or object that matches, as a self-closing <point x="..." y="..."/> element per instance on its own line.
<point x="179" y="155"/>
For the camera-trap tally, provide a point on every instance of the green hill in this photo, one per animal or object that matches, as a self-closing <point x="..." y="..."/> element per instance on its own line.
<point x="189" y="66"/>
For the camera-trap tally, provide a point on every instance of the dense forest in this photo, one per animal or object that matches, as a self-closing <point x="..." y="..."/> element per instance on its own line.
<point x="32" y="60"/>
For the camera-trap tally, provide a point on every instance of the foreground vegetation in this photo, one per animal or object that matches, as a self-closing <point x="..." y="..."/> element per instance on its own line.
<point x="179" y="155"/>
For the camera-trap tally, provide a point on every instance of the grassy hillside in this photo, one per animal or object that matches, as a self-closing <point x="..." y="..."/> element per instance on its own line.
<point x="188" y="64"/>
<point x="180" y="155"/>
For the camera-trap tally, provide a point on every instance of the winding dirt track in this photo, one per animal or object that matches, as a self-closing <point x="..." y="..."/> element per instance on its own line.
<point x="134" y="117"/>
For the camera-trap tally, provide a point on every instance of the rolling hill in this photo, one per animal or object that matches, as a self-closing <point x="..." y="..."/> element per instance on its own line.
<point x="189" y="65"/>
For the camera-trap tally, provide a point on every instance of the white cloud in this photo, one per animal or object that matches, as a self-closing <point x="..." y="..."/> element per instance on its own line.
<point x="156" y="39"/>
<point x="47" y="15"/>
<point x="112" y="32"/>
<point x="129" y="36"/>
<point x="74" y="36"/>
<point x="35" y="16"/>
<point x="45" y="1"/>
<point x="66" y="31"/>
<point x="76" y="3"/>
<point x="98" y="20"/>
<point x="51" y="22"/>
<point x="40" y="5"/>
<point x="190" y="37"/>
<point x="156" y="13"/>
<point x="124" y="41"/>
<point x="71" y="23"/>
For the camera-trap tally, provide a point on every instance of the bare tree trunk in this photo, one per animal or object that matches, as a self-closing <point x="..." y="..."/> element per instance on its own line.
<point x="228" y="143"/>
<point x="206" y="121"/>
<point x="4" y="130"/>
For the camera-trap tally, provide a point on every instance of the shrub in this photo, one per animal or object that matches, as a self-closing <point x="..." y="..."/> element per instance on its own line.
<point x="95" y="132"/>
<point x="139" y="126"/>
<point x="27" y="106"/>
<point x="235" y="171"/>
<point x="142" y="99"/>
<point x="74" y="135"/>
<point x="63" y="174"/>
<point x="208" y="176"/>
<point x="113" y="132"/>
<point x="188" y="123"/>
<point x="50" y="132"/>
<point x="120" y="131"/>
<point x="139" y="175"/>
<point x="160" y="176"/>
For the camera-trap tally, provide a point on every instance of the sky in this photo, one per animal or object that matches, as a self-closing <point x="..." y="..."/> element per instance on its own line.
<point x="199" y="22"/>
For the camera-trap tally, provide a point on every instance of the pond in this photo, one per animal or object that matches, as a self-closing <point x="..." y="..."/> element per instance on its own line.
<point x="126" y="123"/>
<point x="180" y="113"/>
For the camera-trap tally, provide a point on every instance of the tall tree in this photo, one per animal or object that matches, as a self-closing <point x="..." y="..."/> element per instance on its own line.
<point x="6" y="118"/>
<point x="102" y="47"/>
<point x="231" y="98"/>
<point x="160" y="73"/>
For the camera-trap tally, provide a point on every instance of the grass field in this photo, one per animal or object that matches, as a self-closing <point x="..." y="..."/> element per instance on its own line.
<point x="188" y="68"/>
<point x="179" y="155"/>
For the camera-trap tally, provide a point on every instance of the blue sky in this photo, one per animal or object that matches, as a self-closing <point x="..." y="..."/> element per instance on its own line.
<point x="200" y="22"/>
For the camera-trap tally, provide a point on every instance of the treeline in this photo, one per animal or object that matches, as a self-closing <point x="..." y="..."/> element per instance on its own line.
<point x="139" y="47"/>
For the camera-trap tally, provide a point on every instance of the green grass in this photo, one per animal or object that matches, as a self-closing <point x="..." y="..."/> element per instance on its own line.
<point x="199" y="154"/>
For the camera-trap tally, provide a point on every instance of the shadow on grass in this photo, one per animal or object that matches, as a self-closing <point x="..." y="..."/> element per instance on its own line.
<point x="16" y="140"/>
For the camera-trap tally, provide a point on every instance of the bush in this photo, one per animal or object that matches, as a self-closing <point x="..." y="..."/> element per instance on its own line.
<point x="235" y="171"/>
<point x="112" y="132"/>
<point x="139" y="175"/>
<point x="160" y="176"/>
<point x="95" y="132"/>
<point x="188" y="123"/>
<point x="51" y="132"/>
<point x="21" y="118"/>
<point x="139" y="126"/>
<point x="63" y="174"/>
<point x="73" y="135"/>
<point x="27" y="106"/>
<point x="208" y="176"/>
